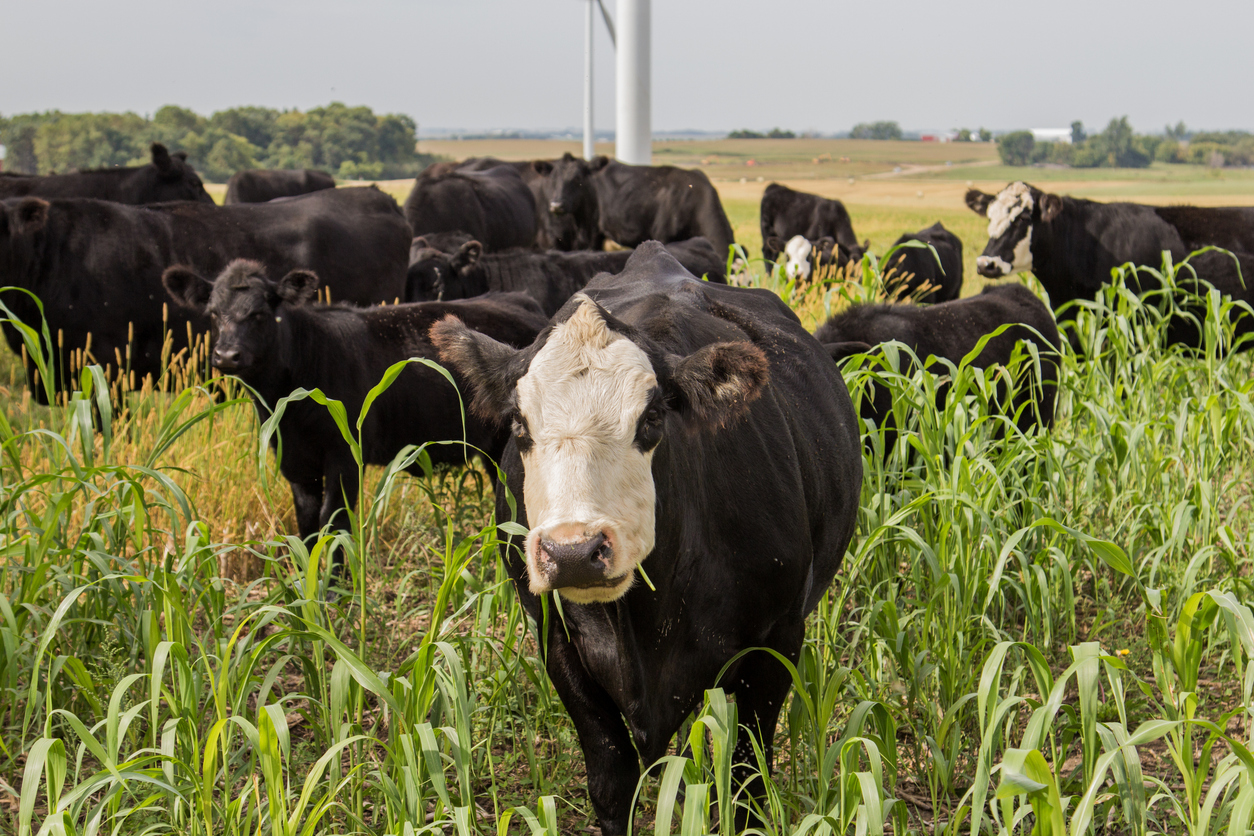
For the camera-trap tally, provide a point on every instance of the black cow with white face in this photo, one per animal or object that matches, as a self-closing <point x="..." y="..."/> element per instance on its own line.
<point x="274" y="337"/>
<point x="786" y="214"/>
<point x="801" y="259"/>
<point x="167" y="177"/>
<point x="692" y="430"/>
<point x="550" y="277"/>
<point x="1072" y="245"/>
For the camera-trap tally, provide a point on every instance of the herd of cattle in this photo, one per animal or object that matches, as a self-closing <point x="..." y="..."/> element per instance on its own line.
<point x="647" y="409"/>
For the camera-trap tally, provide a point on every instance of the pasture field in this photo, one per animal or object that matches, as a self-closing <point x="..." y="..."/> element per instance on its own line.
<point x="1048" y="630"/>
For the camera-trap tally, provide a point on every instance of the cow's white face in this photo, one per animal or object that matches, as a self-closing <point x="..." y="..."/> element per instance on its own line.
<point x="581" y="407"/>
<point x="1009" y="248"/>
<point x="797" y="257"/>
<point x="588" y="409"/>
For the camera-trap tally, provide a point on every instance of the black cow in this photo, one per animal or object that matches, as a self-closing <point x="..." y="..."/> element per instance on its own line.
<point x="568" y="202"/>
<point x="786" y="213"/>
<point x="97" y="265"/>
<point x="553" y="231"/>
<point x="494" y="206"/>
<point x="167" y="177"/>
<point x="551" y="277"/>
<point x="698" y="426"/>
<point x="271" y="335"/>
<point x="950" y="331"/>
<point x="1073" y="244"/>
<point x="631" y="204"/>
<point x="260" y="185"/>
<point x="912" y="268"/>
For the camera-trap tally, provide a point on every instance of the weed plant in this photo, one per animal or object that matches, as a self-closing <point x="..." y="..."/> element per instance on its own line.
<point x="1043" y="632"/>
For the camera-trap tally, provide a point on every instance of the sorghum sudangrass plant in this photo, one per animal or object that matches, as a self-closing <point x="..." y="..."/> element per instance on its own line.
<point x="1042" y="632"/>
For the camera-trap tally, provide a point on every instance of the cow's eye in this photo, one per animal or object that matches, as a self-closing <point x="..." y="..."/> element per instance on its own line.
<point x="518" y="428"/>
<point x="649" y="430"/>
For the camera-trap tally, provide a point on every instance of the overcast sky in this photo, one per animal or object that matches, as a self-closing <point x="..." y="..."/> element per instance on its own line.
<point x="717" y="64"/>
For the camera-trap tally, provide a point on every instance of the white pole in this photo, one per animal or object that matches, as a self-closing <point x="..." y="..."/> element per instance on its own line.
<point x="589" y="140"/>
<point x="634" y="132"/>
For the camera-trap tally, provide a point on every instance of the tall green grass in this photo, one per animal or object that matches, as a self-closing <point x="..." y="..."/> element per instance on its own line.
<point x="1044" y="633"/>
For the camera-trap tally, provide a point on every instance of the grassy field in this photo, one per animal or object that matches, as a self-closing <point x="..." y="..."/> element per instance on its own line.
<point x="1049" y="630"/>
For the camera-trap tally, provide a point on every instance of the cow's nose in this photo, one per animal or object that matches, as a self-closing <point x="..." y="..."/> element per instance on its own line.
<point x="228" y="360"/>
<point x="555" y="207"/>
<point x="578" y="564"/>
<point x="987" y="266"/>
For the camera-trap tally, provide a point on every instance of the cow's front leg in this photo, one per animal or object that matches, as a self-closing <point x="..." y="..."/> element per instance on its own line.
<point x="761" y="688"/>
<point x="609" y="755"/>
<point x="307" y="500"/>
<point x="338" y="501"/>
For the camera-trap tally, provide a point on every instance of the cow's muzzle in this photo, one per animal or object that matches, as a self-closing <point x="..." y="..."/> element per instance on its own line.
<point x="229" y="360"/>
<point x="992" y="267"/>
<point x="581" y="565"/>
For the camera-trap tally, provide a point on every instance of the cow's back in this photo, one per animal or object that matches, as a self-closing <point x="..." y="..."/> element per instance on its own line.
<point x="354" y="239"/>
<point x="494" y="205"/>
<point x="261" y="185"/>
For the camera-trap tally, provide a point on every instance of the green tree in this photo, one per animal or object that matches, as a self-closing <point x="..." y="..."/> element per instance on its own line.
<point x="1116" y="147"/>
<point x="876" y="130"/>
<point x="1016" y="148"/>
<point x="1177" y="133"/>
<point x="986" y="135"/>
<point x="1077" y="132"/>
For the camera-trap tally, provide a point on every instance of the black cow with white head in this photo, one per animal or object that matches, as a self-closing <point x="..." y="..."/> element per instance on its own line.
<point x="1072" y="245"/>
<point x="691" y="428"/>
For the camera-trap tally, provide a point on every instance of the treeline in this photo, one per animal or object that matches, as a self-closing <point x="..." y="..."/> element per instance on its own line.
<point x="348" y="142"/>
<point x="1118" y="146"/>
<point x="773" y="133"/>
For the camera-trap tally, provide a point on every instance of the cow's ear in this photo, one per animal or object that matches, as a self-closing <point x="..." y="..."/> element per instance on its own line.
<point x="466" y="257"/>
<point x="485" y="363"/>
<point x="543" y="167"/>
<point x="299" y="287"/>
<point x="160" y="156"/>
<point x="186" y="287"/>
<point x="716" y="383"/>
<point x="978" y="201"/>
<point x="32" y="215"/>
<point x="1051" y="205"/>
<point x="598" y="162"/>
<point x="839" y="351"/>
